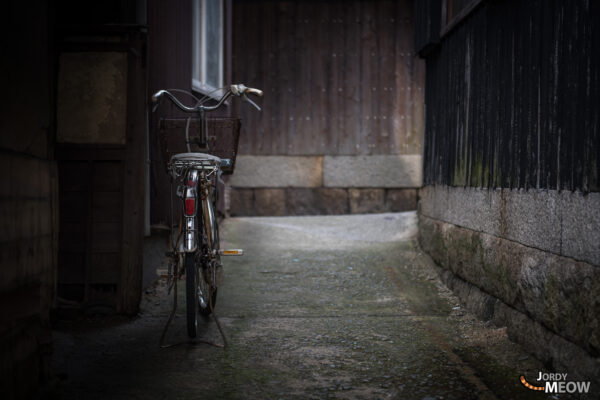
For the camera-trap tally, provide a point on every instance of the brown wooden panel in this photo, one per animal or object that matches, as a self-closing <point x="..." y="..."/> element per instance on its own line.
<point x="73" y="206"/>
<point x="114" y="176"/>
<point x="71" y="291"/>
<point x="92" y="110"/>
<point x="105" y="268"/>
<point x="72" y="236"/>
<point x="71" y="266"/>
<point x="340" y="78"/>
<point x="106" y="206"/>
<point x="74" y="175"/>
<point x="107" y="176"/>
<point x="106" y="237"/>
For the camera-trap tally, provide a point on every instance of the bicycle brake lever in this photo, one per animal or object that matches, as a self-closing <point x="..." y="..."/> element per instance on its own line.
<point x="245" y="98"/>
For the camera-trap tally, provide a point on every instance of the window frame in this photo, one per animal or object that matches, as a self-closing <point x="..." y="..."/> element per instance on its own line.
<point x="199" y="50"/>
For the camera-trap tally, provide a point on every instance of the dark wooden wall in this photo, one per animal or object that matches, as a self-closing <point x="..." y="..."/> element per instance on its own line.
<point x="428" y="16"/>
<point x="101" y="56"/>
<point x="512" y="99"/>
<point x="340" y="77"/>
<point x="170" y="66"/>
<point x="28" y="197"/>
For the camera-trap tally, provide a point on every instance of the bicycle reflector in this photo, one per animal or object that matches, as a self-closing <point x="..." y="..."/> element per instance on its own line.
<point x="190" y="206"/>
<point x="232" y="252"/>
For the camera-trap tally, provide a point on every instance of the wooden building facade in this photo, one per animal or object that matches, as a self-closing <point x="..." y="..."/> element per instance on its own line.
<point x="73" y="140"/>
<point x="342" y="112"/>
<point x="510" y="206"/>
<point x="100" y="152"/>
<point x="29" y="199"/>
<point x="532" y="86"/>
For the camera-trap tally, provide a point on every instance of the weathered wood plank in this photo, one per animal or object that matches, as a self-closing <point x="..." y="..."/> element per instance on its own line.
<point x="339" y="77"/>
<point x="515" y="104"/>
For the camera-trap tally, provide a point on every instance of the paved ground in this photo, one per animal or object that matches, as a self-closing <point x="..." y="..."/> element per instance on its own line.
<point x="319" y="307"/>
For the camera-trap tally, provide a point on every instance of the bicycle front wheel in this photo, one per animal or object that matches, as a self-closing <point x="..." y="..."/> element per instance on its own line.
<point x="191" y="294"/>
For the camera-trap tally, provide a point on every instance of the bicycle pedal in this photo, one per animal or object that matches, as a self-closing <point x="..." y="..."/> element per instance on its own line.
<point x="232" y="252"/>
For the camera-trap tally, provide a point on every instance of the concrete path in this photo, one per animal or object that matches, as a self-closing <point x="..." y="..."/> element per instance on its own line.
<point x="319" y="307"/>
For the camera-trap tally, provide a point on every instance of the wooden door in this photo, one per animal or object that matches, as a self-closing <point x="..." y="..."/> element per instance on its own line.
<point x="101" y="148"/>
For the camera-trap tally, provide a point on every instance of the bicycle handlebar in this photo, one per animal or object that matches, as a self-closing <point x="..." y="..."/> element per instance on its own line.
<point x="239" y="90"/>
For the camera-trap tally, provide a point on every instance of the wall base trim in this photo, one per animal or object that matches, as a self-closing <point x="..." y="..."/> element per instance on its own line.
<point x="319" y="201"/>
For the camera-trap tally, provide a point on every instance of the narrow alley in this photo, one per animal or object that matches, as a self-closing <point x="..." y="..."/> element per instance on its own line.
<point x="415" y="185"/>
<point x="318" y="307"/>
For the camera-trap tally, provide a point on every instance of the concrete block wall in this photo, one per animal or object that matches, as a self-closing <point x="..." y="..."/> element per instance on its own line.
<point x="313" y="185"/>
<point x="526" y="259"/>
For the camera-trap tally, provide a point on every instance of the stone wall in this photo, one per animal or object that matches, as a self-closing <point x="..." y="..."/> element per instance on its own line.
<point x="313" y="185"/>
<point x="529" y="260"/>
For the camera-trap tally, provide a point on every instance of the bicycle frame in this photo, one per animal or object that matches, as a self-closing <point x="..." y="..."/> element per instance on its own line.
<point x="197" y="256"/>
<point x="197" y="199"/>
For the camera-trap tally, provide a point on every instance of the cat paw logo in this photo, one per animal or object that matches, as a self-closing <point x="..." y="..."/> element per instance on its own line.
<point x="555" y="383"/>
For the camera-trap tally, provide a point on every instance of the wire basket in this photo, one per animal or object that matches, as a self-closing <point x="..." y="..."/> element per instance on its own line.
<point x="222" y="137"/>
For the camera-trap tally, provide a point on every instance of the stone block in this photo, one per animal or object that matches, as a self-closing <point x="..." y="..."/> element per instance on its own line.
<point x="478" y="302"/>
<point x="474" y="208"/>
<point x="558" y="292"/>
<point x="301" y="201"/>
<point x="332" y="201"/>
<point x="381" y="171"/>
<point x="565" y="223"/>
<point x="241" y="202"/>
<point x="398" y="200"/>
<point x="363" y="201"/>
<point x="269" y="202"/>
<point x="277" y="172"/>
<point x="580" y="229"/>
<point x="531" y="217"/>
<point x="320" y="201"/>
<point x="546" y="346"/>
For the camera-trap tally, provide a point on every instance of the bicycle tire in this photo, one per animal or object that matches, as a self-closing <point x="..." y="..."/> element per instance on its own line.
<point x="204" y="285"/>
<point x="206" y="311"/>
<point x="191" y="294"/>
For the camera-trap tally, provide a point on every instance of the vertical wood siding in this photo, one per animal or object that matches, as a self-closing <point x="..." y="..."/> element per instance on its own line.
<point x="428" y="15"/>
<point x="513" y="95"/>
<point x="340" y="77"/>
<point x="28" y="198"/>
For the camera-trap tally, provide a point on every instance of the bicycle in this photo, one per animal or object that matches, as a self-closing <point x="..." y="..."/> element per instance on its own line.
<point x="195" y="250"/>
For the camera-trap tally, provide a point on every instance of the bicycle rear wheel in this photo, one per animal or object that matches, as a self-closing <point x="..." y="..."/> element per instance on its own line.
<point x="206" y="294"/>
<point x="207" y="291"/>
<point x="191" y="294"/>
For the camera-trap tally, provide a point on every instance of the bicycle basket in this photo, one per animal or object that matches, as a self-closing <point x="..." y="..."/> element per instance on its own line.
<point x="222" y="136"/>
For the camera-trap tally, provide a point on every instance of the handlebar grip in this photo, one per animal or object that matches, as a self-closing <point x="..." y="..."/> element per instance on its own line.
<point x="257" y="92"/>
<point x="241" y="89"/>
<point x="156" y="95"/>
